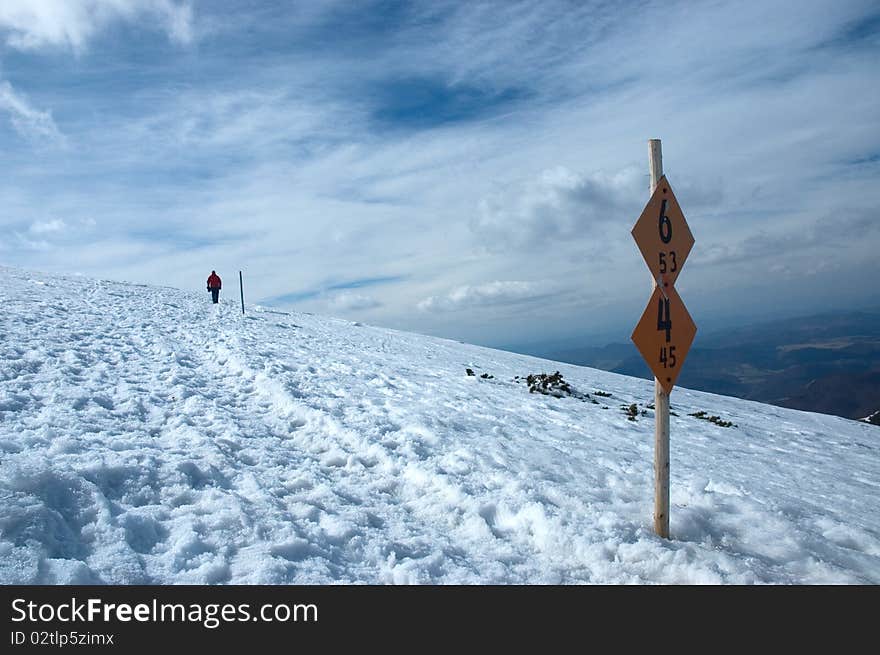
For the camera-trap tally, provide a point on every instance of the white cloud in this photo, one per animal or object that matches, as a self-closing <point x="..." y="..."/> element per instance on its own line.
<point x="559" y="205"/>
<point x="34" y="24"/>
<point x="27" y="121"/>
<point x="178" y="21"/>
<point x="44" y="227"/>
<point x="488" y="294"/>
<point x="349" y="301"/>
<point x="24" y="242"/>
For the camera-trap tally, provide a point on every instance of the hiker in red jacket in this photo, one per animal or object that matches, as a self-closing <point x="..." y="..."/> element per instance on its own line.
<point x="214" y="286"/>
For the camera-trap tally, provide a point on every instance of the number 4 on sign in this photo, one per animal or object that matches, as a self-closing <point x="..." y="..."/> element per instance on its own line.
<point x="664" y="335"/>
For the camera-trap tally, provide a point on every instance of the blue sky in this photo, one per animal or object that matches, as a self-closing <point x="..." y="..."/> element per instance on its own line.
<point x="470" y="170"/>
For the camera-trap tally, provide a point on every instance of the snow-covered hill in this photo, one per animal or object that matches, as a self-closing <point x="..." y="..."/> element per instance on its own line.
<point x="147" y="436"/>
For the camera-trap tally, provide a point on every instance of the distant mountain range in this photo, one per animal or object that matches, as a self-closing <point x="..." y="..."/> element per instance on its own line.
<point x="828" y="363"/>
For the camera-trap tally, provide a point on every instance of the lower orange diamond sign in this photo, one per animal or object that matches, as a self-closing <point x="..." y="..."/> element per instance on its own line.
<point x="664" y="335"/>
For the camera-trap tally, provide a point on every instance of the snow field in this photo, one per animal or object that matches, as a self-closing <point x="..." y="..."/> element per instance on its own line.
<point x="147" y="436"/>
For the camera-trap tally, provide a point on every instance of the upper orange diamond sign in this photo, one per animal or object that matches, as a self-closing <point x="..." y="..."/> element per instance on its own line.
<point x="662" y="234"/>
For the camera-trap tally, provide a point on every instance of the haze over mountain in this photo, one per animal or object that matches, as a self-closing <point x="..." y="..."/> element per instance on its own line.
<point x="827" y="363"/>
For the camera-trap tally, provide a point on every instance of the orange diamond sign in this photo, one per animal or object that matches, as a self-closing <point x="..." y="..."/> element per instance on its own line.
<point x="664" y="335"/>
<point x="662" y="234"/>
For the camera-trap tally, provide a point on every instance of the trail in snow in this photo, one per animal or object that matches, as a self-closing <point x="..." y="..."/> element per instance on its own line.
<point x="147" y="436"/>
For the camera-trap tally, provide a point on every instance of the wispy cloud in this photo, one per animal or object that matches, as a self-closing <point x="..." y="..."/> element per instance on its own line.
<point x="51" y="235"/>
<point x="347" y="301"/>
<point x="339" y="297"/>
<point x="43" y="227"/>
<point x="27" y="120"/>
<point x="485" y="295"/>
<point x="559" y="205"/>
<point x="31" y="25"/>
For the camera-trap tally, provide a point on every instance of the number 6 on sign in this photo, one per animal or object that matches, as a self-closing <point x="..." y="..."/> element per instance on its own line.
<point x="664" y="335"/>
<point x="665" y="223"/>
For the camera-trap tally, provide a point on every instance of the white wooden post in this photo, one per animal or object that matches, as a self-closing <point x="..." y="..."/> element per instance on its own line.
<point x="661" y="398"/>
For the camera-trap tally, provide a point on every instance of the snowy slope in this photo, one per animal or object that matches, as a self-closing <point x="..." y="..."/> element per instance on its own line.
<point x="147" y="436"/>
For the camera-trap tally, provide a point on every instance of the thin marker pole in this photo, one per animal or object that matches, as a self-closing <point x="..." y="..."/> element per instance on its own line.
<point x="241" y="287"/>
<point x="661" y="398"/>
